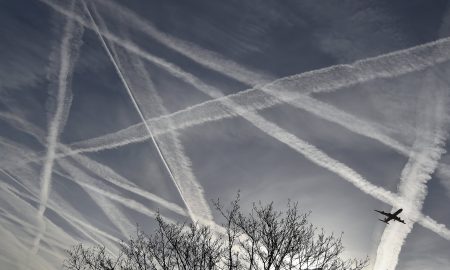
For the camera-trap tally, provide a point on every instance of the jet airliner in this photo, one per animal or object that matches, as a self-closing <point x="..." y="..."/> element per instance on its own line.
<point x="390" y="216"/>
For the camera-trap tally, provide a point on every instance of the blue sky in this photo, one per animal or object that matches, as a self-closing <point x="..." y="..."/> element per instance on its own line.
<point x="341" y="107"/>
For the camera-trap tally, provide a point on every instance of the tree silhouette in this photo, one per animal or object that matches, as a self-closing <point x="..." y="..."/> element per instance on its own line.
<point x="264" y="239"/>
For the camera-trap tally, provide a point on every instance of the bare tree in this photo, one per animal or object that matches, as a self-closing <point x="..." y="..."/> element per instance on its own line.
<point x="264" y="239"/>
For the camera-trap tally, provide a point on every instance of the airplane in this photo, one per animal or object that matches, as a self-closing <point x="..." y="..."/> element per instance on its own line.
<point x="390" y="216"/>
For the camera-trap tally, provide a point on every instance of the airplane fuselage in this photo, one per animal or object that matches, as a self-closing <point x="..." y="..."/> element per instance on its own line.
<point x="391" y="216"/>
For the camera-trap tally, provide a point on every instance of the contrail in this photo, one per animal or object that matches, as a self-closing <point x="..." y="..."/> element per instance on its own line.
<point x="22" y="185"/>
<point x="207" y="58"/>
<point x="429" y="146"/>
<point x="68" y="53"/>
<point x="328" y="112"/>
<point x="11" y="202"/>
<point x="213" y="110"/>
<point x="151" y="104"/>
<point x="186" y="197"/>
<point x="106" y="173"/>
<point x="17" y="251"/>
<point x="192" y="51"/>
<point x="73" y="241"/>
<point x="71" y="215"/>
<point x="57" y="254"/>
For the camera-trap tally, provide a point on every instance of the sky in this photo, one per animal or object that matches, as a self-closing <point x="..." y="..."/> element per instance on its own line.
<point x="111" y="111"/>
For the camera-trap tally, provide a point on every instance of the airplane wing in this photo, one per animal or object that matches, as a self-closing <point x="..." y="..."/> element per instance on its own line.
<point x="383" y="213"/>
<point x="389" y="218"/>
<point x="399" y="220"/>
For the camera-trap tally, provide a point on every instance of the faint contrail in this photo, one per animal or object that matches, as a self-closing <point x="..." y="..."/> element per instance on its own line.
<point x="106" y="173"/>
<point x="27" y="209"/>
<point x="68" y="53"/>
<point x="70" y="215"/>
<point x="102" y="171"/>
<point x="113" y="214"/>
<point x="54" y="237"/>
<point x="50" y="238"/>
<point x="132" y="204"/>
<point x="19" y="251"/>
<point x="11" y="204"/>
<point x="17" y="181"/>
<point x="103" y="191"/>
<point x="85" y="181"/>
<point x="63" y="209"/>
<point x="185" y="193"/>
<point x="428" y="148"/>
